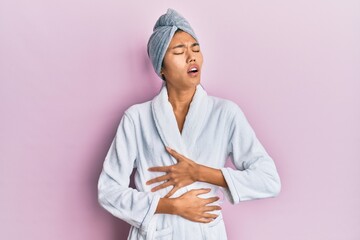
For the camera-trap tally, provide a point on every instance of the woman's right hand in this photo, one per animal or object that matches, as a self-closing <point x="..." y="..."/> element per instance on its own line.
<point x="194" y="208"/>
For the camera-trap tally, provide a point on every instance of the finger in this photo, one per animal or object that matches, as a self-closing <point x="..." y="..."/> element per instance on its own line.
<point x="158" y="179"/>
<point x="212" y="208"/>
<point x="161" y="186"/>
<point x="201" y="191"/>
<point x="211" y="200"/>
<point x="173" y="190"/>
<point x="209" y="215"/>
<point x="175" y="154"/>
<point x="205" y="220"/>
<point x="159" y="169"/>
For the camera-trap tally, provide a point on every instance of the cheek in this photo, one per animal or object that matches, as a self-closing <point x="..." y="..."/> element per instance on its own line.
<point x="200" y="58"/>
<point x="174" y="65"/>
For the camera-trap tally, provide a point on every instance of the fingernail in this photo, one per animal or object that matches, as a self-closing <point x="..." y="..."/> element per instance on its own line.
<point x="167" y="148"/>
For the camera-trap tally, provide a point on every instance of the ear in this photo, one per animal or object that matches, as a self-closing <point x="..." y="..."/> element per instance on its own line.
<point x="162" y="74"/>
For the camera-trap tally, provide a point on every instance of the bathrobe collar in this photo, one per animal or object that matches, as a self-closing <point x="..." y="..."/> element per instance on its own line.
<point x="166" y="124"/>
<point x="169" y="133"/>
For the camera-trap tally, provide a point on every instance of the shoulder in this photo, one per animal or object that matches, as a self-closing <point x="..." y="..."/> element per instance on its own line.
<point x="230" y="111"/>
<point x="226" y="106"/>
<point x="132" y="115"/>
<point x="139" y="109"/>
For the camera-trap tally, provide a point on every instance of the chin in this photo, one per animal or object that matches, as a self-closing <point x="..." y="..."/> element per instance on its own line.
<point x="195" y="80"/>
<point x="187" y="83"/>
<point x="193" y="83"/>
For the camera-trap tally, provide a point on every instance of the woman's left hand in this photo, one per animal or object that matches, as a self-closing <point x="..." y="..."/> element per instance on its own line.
<point x="179" y="175"/>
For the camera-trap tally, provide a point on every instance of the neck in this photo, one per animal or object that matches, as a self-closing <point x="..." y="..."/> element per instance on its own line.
<point x="180" y="99"/>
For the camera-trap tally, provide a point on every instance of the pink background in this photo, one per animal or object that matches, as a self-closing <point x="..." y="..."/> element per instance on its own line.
<point x="68" y="70"/>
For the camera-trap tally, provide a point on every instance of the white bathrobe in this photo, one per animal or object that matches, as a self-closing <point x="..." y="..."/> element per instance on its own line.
<point x="214" y="129"/>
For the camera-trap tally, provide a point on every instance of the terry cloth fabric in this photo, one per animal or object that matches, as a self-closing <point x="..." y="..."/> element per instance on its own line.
<point x="163" y="31"/>
<point x="214" y="129"/>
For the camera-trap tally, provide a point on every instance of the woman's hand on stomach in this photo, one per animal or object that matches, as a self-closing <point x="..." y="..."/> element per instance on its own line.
<point x="190" y="206"/>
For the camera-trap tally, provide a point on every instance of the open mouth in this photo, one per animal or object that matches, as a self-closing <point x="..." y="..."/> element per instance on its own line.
<point x="193" y="70"/>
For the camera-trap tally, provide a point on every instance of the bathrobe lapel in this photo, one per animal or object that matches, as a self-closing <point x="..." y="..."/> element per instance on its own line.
<point x="166" y="124"/>
<point x="195" y="118"/>
<point x="169" y="133"/>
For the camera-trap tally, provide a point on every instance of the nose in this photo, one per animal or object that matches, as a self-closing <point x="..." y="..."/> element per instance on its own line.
<point x="191" y="56"/>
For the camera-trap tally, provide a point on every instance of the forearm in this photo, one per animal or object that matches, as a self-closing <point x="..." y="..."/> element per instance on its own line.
<point x="123" y="201"/>
<point x="211" y="175"/>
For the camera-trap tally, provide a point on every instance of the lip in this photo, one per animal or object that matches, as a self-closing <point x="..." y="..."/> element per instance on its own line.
<point x="193" y="74"/>
<point x="193" y="66"/>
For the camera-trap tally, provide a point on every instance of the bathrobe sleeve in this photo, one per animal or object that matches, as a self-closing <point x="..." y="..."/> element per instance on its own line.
<point x="114" y="194"/>
<point x="255" y="175"/>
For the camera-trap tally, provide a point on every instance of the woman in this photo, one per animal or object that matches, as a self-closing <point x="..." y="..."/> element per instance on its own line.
<point x="179" y="142"/>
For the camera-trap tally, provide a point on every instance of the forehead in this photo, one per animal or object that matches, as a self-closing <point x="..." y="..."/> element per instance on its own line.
<point x="181" y="37"/>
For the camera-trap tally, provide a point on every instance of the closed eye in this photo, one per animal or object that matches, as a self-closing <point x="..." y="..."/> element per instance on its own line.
<point x="196" y="49"/>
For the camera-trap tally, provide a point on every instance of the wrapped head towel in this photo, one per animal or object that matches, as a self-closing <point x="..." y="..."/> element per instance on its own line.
<point x="163" y="31"/>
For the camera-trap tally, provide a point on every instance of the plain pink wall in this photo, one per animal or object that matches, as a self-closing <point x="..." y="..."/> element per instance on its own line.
<point x="68" y="70"/>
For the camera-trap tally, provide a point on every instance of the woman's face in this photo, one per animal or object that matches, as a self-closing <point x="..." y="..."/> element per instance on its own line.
<point x="182" y="61"/>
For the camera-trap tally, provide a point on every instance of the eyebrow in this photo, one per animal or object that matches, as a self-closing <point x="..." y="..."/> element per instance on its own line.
<point x="182" y="45"/>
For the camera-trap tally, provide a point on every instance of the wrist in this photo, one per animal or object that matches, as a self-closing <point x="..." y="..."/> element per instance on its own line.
<point x="167" y="205"/>
<point x="211" y="175"/>
<point x="175" y="206"/>
<point x="201" y="173"/>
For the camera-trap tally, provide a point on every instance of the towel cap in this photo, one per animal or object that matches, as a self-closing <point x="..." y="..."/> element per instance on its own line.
<point x="163" y="31"/>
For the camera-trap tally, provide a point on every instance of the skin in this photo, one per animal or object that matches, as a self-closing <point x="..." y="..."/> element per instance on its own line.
<point x="181" y="87"/>
<point x="183" y="51"/>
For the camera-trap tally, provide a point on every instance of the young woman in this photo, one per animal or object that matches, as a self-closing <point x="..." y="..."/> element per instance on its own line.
<point x="179" y="142"/>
